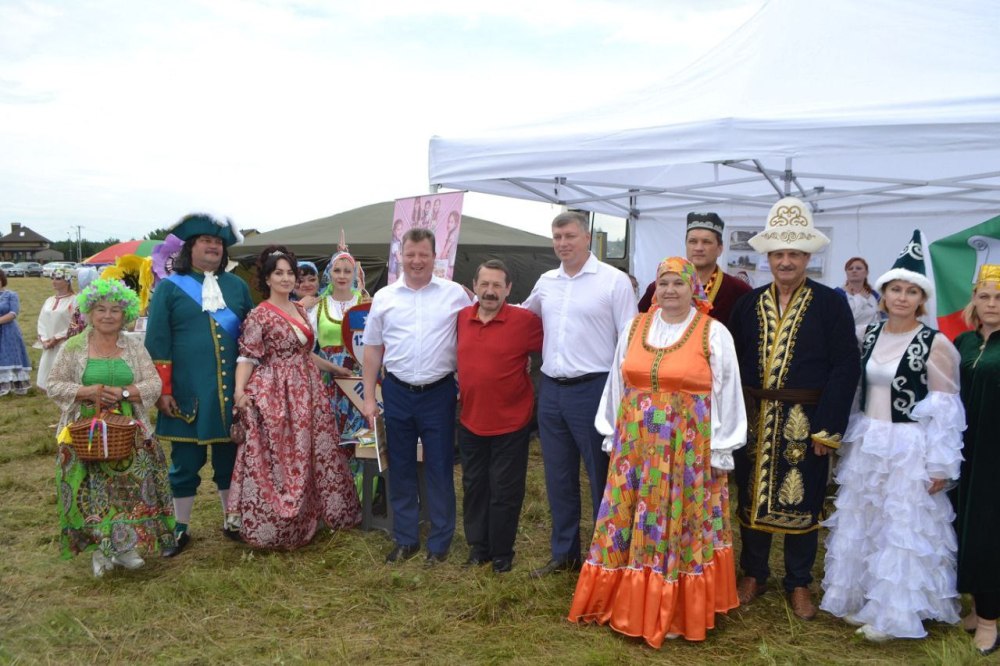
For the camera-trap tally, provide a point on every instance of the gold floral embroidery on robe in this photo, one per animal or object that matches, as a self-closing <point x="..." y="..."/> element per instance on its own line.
<point x="792" y="489"/>
<point x="774" y="494"/>
<point x="796" y="435"/>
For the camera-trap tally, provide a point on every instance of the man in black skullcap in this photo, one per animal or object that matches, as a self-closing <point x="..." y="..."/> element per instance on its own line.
<point x="703" y="247"/>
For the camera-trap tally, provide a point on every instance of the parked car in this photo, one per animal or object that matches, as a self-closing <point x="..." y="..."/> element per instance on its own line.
<point x="26" y="269"/>
<point x="53" y="265"/>
<point x="5" y="266"/>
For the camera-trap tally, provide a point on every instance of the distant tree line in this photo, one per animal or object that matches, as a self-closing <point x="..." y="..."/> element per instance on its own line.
<point x="87" y="248"/>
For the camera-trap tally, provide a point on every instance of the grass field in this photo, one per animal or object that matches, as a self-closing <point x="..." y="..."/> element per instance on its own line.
<point x="335" y="601"/>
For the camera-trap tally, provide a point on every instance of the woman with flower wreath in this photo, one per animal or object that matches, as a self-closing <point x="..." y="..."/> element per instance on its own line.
<point x="53" y="323"/>
<point x="345" y="289"/>
<point x="114" y="509"/>
<point x="661" y="562"/>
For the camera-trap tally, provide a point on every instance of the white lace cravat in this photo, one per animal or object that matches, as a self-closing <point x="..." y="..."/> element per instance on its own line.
<point x="211" y="295"/>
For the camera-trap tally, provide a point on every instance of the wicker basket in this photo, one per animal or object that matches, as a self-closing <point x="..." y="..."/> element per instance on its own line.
<point x="107" y="436"/>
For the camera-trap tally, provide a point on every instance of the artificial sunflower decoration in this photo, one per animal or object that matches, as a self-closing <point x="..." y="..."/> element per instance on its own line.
<point x="137" y="273"/>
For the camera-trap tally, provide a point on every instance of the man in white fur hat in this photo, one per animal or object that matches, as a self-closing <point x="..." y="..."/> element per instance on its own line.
<point x="800" y="366"/>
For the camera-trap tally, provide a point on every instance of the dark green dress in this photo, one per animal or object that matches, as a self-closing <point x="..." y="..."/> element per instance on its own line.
<point x="978" y="493"/>
<point x="114" y="506"/>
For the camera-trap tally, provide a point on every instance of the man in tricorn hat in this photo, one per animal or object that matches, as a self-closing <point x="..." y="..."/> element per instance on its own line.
<point x="703" y="247"/>
<point x="800" y="365"/>
<point x="192" y="333"/>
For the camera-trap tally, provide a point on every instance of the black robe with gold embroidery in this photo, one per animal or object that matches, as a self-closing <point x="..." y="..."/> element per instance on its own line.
<point x="812" y="346"/>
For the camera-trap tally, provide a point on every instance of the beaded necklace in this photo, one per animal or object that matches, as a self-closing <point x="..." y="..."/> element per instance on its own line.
<point x="326" y="312"/>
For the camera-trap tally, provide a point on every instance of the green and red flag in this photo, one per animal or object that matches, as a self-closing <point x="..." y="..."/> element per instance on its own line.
<point x="956" y="260"/>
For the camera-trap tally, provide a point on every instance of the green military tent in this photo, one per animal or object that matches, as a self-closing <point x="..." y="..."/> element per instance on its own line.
<point x="367" y="230"/>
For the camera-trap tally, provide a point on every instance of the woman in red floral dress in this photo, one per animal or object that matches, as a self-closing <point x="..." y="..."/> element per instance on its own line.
<point x="290" y="472"/>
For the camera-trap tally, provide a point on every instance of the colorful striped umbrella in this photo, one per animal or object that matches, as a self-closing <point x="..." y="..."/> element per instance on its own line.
<point x="140" y="248"/>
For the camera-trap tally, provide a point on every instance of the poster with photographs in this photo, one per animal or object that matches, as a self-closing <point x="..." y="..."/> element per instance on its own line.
<point x="744" y="262"/>
<point x="442" y="214"/>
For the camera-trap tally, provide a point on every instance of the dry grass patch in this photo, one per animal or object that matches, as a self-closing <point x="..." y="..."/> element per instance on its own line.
<point x="335" y="601"/>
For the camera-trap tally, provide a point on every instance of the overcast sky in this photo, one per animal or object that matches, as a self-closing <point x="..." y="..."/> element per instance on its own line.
<point x="121" y="115"/>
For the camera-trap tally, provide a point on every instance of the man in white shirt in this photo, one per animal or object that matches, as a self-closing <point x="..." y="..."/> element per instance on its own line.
<point x="584" y="305"/>
<point x="411" y="330"/>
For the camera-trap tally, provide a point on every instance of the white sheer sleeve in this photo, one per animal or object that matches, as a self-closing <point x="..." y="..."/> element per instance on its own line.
<point x="729" y="415"/>
<point x="943" y="364"/>
<point x="941" y="413"/>
<point x="313" y="315"/>
<point x="607" y="410"/>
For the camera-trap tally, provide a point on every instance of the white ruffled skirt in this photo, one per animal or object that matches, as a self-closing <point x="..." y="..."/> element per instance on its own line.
<point x="891" y="550"/>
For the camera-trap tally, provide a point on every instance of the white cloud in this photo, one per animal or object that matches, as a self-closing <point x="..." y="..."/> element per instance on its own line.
<point x="119" y="115"/>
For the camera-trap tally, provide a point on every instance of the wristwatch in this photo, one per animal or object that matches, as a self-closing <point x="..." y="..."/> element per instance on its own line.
<point x="125" y="394"/>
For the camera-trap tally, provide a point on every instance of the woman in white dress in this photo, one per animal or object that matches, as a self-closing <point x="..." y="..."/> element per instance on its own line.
<point x="860" y="296"/>
<point x="53" y="323"/>
<point x="891" y="551"/>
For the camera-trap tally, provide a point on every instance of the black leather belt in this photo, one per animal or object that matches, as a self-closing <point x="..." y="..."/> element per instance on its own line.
<point x="413" y="388"/>
<point x="799" y="396"/>
<point x="571" y="381"/>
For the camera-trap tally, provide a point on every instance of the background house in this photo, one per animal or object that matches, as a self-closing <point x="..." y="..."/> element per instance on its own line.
<point x="23" y="244"/>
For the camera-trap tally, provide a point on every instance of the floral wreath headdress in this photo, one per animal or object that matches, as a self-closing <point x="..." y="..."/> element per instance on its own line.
<point x="113" y="291"/>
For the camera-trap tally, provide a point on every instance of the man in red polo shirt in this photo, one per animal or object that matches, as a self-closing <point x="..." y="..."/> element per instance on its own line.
<point x="497" y="398"/>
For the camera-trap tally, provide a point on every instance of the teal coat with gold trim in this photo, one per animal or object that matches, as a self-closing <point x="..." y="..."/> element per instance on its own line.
<point x="811" y="345"/>
<point x="202" y="357"/>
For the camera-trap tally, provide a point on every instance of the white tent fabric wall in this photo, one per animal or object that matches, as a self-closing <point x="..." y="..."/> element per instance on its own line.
<point x="877" y="238"/>
<point x="885" y="115"/>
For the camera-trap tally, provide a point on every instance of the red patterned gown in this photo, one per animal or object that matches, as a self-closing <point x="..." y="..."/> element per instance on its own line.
<point x="290" y="473"/>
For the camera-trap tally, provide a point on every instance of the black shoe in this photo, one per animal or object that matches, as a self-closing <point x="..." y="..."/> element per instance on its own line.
<point x="476" y="561"/>
<point x="502" y="565"/>
<point x="990" y="650"/>
<point x="434" y="559"/>
<point x="402" y="553"/>
<point x="232" y="535"/>
<point x="554" y="566"/>
<point x="182" y="542"/>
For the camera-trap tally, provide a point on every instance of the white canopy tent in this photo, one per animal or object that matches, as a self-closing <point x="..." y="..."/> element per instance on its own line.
<point x="883" y="114"/>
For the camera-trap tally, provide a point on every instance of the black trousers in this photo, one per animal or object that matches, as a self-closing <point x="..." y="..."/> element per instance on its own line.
<point x="987" y="605"/>
<point x="800" y="555"/>
<point x="493" y="474"/>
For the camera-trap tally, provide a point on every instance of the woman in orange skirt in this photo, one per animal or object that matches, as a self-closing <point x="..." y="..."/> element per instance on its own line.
<point x="661" y="562"/>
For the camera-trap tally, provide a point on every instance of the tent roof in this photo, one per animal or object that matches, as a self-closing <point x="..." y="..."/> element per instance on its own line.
<point x="891" y="105"/>
<point x="367" y="230"/>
